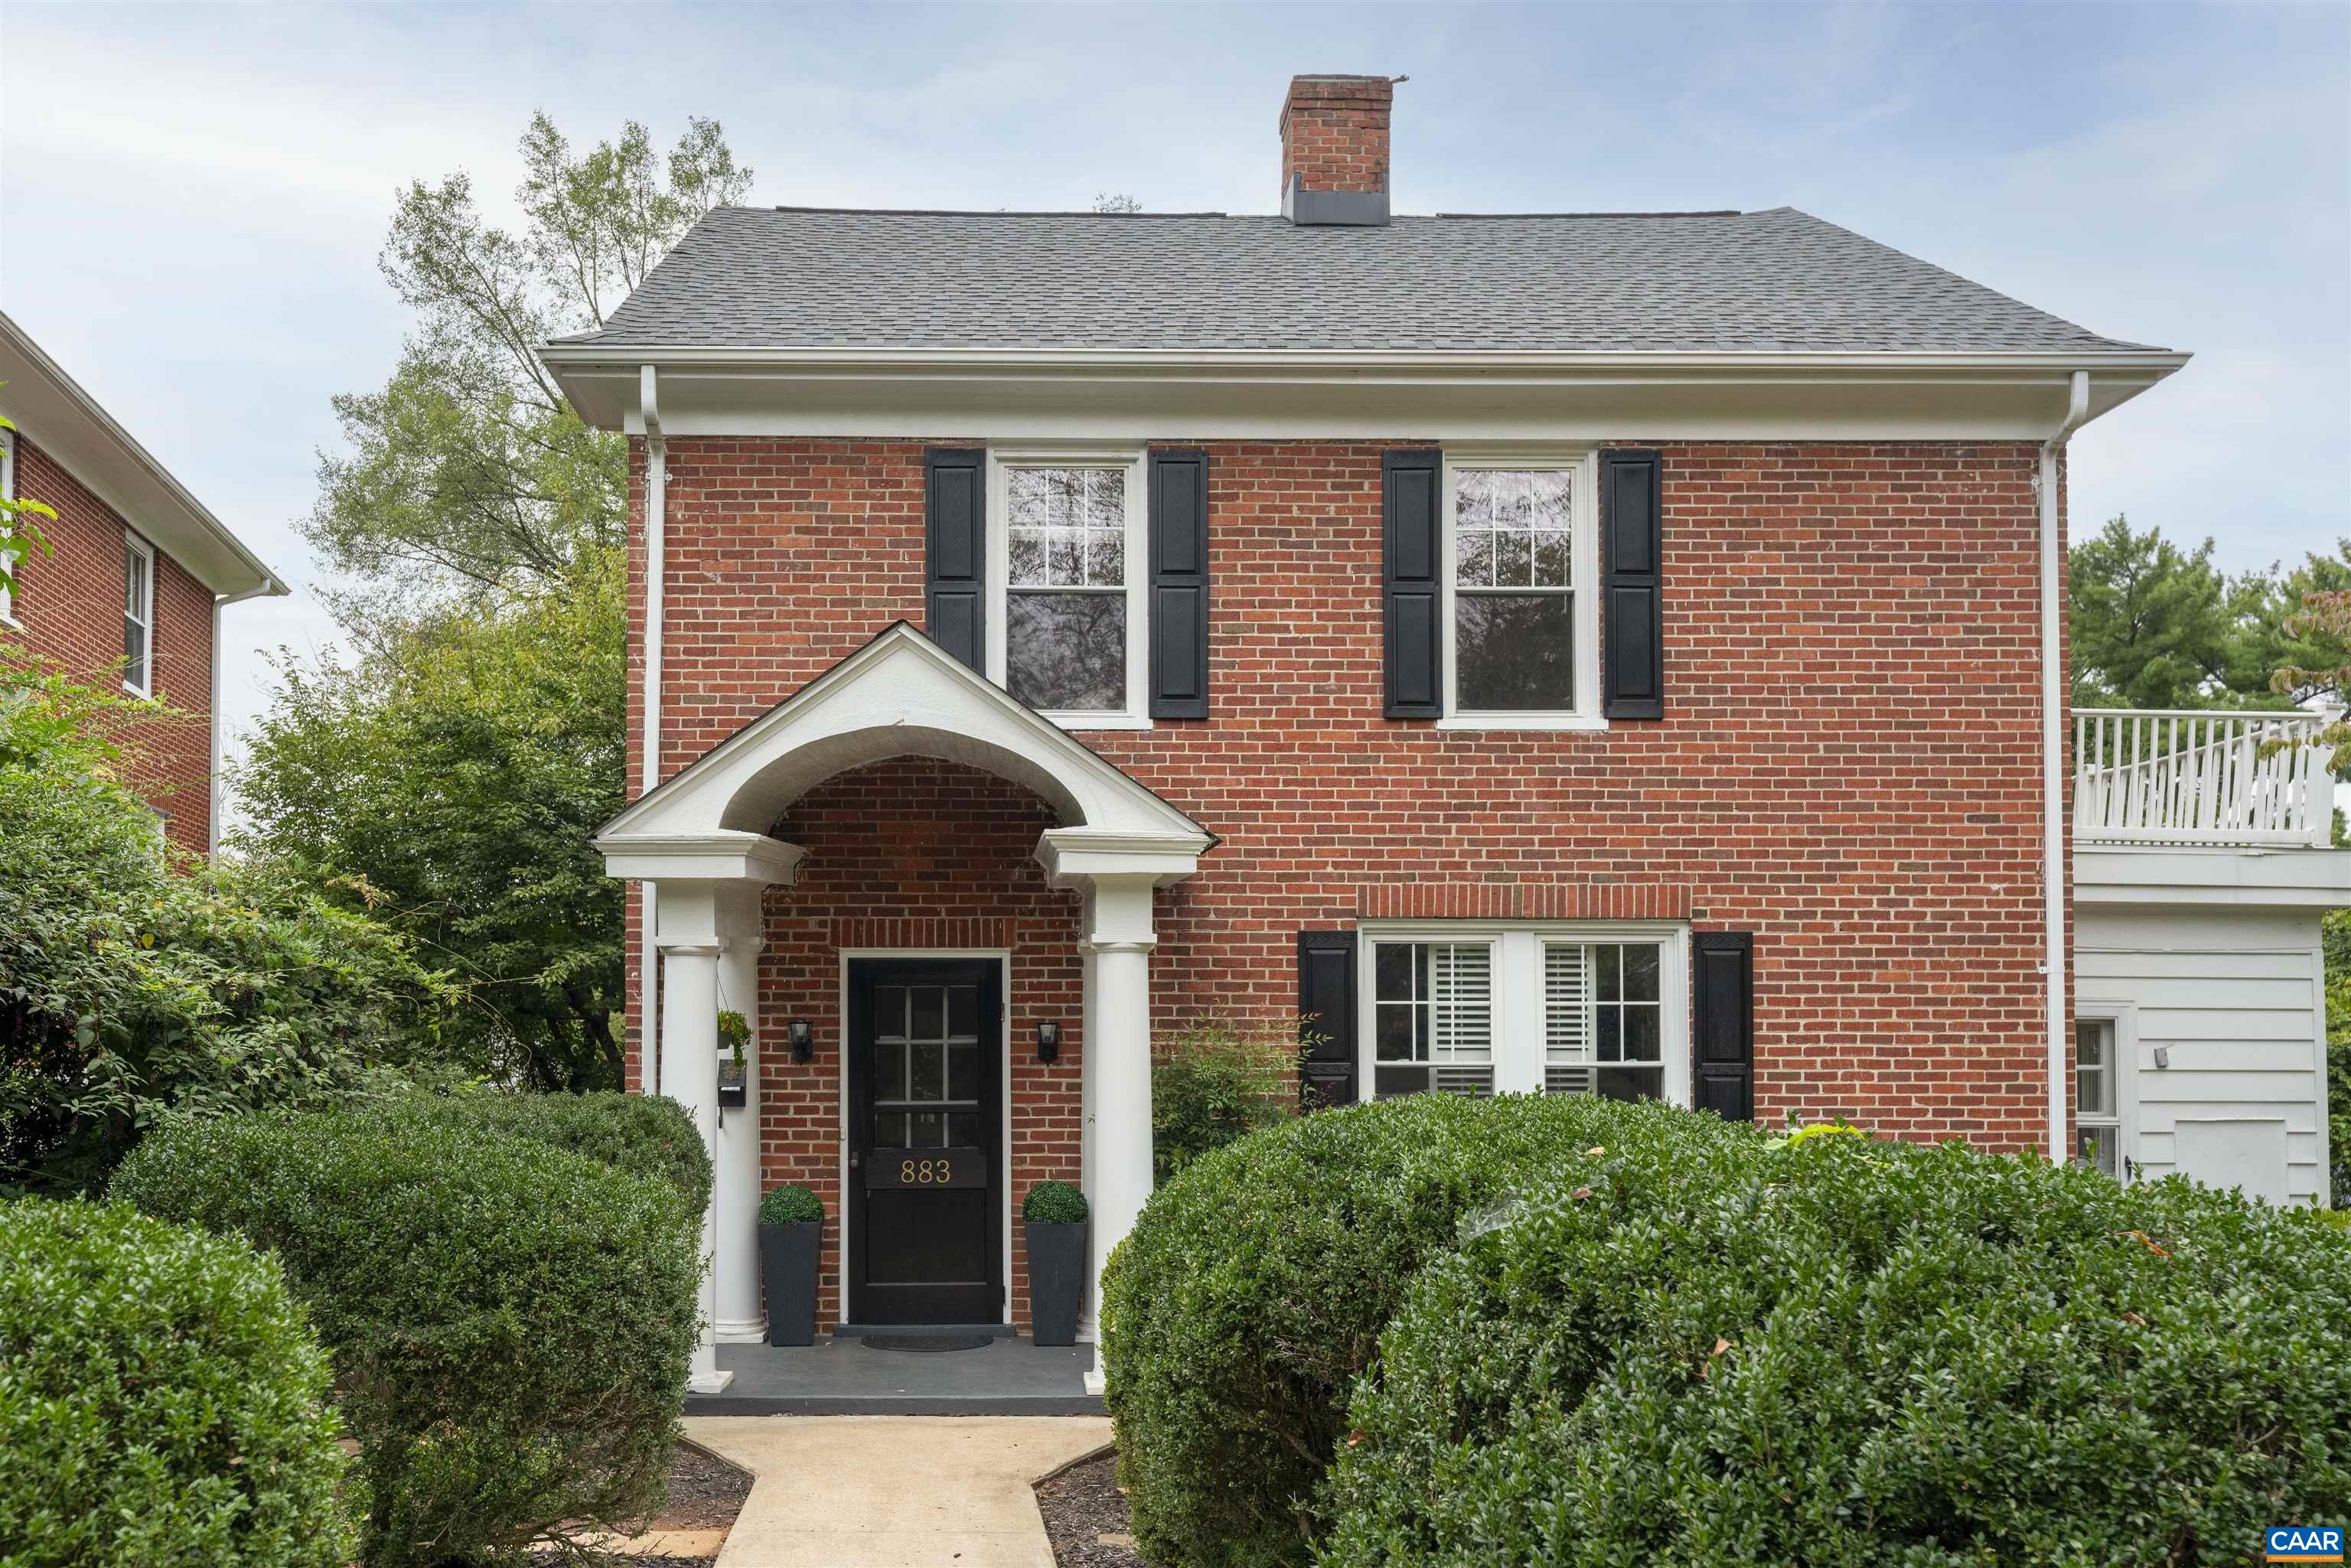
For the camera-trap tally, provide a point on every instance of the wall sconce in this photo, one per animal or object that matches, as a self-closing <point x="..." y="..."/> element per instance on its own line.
<point x="803" y="1039"/>
<point x="1049" y="1042"/>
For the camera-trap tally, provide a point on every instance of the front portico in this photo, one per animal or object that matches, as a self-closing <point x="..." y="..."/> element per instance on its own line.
<point x="707" y="844"/>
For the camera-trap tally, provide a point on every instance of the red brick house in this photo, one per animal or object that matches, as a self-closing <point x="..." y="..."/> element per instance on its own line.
<point x="137" y="575"/>
<point x="1611" y="654"/>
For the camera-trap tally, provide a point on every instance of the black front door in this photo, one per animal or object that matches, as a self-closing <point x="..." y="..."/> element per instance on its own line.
<point x="926" y="1093"/>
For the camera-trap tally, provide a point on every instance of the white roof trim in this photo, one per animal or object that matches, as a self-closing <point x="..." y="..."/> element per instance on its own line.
<point x="899" y="696"/>
<point x="67" y="422"/>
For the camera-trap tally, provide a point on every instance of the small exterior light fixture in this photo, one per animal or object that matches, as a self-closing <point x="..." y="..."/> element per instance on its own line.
<point x="1049" y="1042"/>
<point x="803" y="1039"/>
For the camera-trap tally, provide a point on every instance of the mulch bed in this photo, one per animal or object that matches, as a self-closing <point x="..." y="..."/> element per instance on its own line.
<point x="705" y="1493"/>
<point x="1080" y="1506"/>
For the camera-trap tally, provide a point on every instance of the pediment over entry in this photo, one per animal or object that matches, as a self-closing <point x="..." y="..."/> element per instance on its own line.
<point x="899" y="696"/>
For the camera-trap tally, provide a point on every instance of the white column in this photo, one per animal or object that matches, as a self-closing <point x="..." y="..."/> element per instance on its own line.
<point x="1118" y="1065"/>
<point x="1088" y="1016"/>
<point x="736" y="1317"/>
<point x="689" y="1068"/>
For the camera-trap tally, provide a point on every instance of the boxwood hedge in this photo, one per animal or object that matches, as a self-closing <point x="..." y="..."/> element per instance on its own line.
<point x="161" y="1402"/>
<point x="1253" y="1291"/>
<point x="511" y="1322"/>
<point x="1856" y="1352"/>
<point x="641" y="1133"/>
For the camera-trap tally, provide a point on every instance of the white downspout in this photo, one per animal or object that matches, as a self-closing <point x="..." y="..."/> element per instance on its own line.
<point x="656" y="529"/>
<point x="2054" y="962"/>
<point x="213" y="795"/>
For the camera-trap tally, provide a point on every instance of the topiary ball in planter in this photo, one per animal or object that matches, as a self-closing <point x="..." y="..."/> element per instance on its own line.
<point x="791" y="1232"/>
<point x="1055" y="1214"/>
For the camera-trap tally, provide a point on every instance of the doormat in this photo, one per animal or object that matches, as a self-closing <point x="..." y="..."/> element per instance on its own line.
<point x="932" y="1341"/>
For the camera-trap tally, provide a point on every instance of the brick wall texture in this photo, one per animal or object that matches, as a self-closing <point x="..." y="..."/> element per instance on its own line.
<point x="68" y="607"/>
<point x="1334" y="133"/>
<point x="1848" y="766"/>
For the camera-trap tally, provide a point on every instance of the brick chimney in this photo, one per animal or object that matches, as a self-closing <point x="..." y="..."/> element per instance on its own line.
<point x="1334" y="150"/>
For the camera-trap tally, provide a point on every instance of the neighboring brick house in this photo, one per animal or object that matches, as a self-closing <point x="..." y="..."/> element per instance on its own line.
<point x="131" y="589"/>
<point x="1603" y="652"/>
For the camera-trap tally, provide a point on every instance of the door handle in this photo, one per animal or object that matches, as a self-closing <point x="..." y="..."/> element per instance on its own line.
<point x="856" y="1159"/>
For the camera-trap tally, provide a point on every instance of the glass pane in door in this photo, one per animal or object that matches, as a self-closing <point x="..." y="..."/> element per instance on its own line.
<point x="926" y="1067"/>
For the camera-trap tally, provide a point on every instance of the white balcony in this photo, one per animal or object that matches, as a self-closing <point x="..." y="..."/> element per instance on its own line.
<point x="2200" y="778"/>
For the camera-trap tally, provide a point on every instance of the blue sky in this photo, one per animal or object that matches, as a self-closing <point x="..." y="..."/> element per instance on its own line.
<point x="192" y="197"/>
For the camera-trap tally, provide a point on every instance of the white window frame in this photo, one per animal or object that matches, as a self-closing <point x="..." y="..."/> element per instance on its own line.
<point x="1136" y="714"/>
<point x="1520" y="1054"/>
<point x="2123" y="1070"/>
<point x="8" y="492"/>
<point x="1584" y="464"/>
<point x="133" y="545"/>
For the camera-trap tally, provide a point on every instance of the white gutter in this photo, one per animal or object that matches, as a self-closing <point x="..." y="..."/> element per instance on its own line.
<point x="221" y="601"/>
<point x="2052" y="760"/>
<point x="656" y="531"/>
<point x="621" y="355"/>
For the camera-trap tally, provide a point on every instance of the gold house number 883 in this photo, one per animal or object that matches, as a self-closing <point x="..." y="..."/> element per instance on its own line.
<point x="923" y="1173"/>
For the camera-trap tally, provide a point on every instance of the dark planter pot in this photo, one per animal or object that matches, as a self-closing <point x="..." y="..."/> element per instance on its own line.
<point x="1057" y="1281"/>
<point x="788" y="1258"/>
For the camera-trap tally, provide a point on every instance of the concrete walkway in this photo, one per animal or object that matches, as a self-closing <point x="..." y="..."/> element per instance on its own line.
<point x="893" y="1492"/>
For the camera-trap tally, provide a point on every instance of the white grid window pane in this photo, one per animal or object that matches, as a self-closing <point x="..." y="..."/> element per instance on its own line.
<point x="1604" y="1019"/>
<point x="1513" y="528"/>
<point x="1433" y="1008"/>
<point x="1066" y="528"/>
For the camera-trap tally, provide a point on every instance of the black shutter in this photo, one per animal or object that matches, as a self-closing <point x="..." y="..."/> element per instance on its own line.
<point x="1326" y="997"/>
<point x="1179" y="584"/>
<point x="954" y="551"/>
<point x="1413" y="639"/>
<point x="1632" y="577"/>
<point x="1724" y="1038"/>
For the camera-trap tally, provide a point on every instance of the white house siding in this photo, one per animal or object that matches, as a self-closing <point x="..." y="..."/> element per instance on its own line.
<point x="2238" y="996"/>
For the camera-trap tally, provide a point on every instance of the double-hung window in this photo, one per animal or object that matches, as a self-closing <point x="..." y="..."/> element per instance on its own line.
<point x="1067" y="635"/>
<point x="1557" y="1006"/>
<point x="1521" y="568"/>
<point x="2098" y="1124"/>
<point x="8" y="492"/>
<point x="138" y="616"/>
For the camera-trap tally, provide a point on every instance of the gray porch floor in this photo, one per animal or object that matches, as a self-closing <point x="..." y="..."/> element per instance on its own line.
<point x="841" y="1377"/>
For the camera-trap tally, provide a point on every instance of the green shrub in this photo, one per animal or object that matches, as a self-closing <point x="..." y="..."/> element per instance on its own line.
<point x="644" y="1135"/>
<point x="135" y="983"/>
<point x="1216" y="1083"/>
<point x="1853" y="1353"/>
<point x="511" y="1324"/>
<point x="789" y="1204"/>
<point x="161" y="1402"/>
<point x="1054" y="1203"/>
<point x="1253" y="1290"/>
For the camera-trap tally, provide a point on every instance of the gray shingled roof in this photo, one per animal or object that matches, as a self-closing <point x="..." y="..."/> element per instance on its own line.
<point x="1780" y="281"/>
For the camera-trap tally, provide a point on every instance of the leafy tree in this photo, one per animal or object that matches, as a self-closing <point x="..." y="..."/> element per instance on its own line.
<point x="136" y="982"/>
<point x="469" y="470"/>
<point x="448" y="781"/>
<point x="1106" y="202"/>
<point x="2292" y="621"/>
<point x="2150" y="625"/>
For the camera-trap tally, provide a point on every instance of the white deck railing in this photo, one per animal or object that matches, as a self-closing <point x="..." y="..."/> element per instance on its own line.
<point x="2147" y="777"/>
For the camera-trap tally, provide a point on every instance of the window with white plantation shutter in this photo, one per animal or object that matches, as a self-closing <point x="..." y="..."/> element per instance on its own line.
<point x="1433" y="1023"/>
<point x="1567" y="1019"/>
<point x="1604" y="1024"/>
